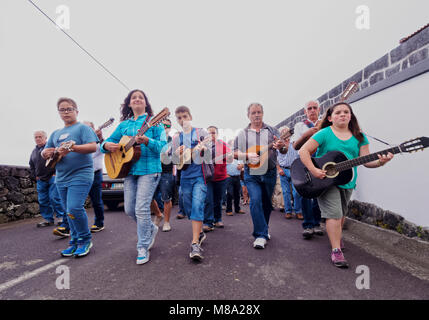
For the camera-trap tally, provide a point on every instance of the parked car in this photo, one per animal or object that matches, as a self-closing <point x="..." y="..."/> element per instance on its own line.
<point x="112" y="191"/>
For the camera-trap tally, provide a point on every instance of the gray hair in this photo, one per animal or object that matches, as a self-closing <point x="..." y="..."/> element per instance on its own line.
<point x="254" y="104"/>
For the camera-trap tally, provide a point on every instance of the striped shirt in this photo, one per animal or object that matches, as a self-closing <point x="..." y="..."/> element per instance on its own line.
<point x="285" y="160"/>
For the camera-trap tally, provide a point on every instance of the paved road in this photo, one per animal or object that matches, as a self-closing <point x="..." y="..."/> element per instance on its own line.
<point x="289" y="267"/>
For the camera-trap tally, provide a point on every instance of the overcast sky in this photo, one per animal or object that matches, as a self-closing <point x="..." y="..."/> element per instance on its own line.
<point x="214" y="56"/>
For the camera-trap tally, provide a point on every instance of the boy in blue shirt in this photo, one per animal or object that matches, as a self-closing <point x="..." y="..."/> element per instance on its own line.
<point x="74" y="173"/>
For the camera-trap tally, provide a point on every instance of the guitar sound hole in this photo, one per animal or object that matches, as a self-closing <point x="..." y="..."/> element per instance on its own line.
<point x="331" y="170"/>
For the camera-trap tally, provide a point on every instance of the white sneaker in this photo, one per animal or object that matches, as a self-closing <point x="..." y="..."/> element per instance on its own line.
<point x="142" y="256"/>
<point x="259" y="243"/>
<point x="157" y="220"/>
<point x="166" y="227"/>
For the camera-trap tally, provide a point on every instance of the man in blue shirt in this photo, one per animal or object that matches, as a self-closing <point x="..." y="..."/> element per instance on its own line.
<point x="74" y="173"/>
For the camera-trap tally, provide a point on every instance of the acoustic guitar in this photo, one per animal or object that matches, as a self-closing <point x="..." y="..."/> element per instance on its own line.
<point x="339" y="169"/>
<point x="118" y="164"/>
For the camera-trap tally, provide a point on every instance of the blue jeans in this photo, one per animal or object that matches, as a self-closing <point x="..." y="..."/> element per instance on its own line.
<point x="260" y="188"/>
<point x="49" y="200"/>
<point x="166" y="186"/>
<point x="181" y="210"/>
<point x="194" y="192"/>
<point x="288" y="189"/>
<point x="213" y="205"/>
<point x="96" y="200"/>
<point x="73" y="195"/>
<point x="138" y="194"/>
<point x="311" y="213"/>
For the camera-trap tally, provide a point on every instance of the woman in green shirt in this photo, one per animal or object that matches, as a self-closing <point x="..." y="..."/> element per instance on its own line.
<point x="339" y="131"/>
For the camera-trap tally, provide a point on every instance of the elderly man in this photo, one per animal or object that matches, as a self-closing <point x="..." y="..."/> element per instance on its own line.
<point x="49" y="199"/>
<point x="283" y="169"/>
<point x="302" y="132"/>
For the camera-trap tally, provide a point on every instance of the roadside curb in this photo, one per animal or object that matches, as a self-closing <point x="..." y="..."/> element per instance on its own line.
<point x="407" y="254"/>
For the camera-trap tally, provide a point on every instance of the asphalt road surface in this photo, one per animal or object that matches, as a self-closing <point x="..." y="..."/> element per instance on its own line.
<point x="288" y="268"/>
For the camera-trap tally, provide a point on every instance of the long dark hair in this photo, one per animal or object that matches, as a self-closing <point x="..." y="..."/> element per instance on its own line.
<point x="353" y="124"/>
<point x="127" y="112"/>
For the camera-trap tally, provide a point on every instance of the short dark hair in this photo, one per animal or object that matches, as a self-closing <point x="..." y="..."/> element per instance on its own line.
<point x="213" y="128"/>
<point x="182" y="109"/>
<point x="68" y="100"/>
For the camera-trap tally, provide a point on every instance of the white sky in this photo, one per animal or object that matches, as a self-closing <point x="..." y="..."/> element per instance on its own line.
<point x="214" y="56"/>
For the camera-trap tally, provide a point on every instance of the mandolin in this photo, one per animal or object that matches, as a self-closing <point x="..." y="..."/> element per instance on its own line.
<point x="262" y="151"/>
<point x="339" y="169"/>
<point x="52" y="161"/>
<point x="118" y="164"/>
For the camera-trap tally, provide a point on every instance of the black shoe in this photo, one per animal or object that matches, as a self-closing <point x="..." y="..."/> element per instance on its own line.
<point x="180" y="216"/>
<point x="61" y="232"/>
<point x="95" y="228"/>
<point x="308" y="233"/>
<point x="45" y="224"/>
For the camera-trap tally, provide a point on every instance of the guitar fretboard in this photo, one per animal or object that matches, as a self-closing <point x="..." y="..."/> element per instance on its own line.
<point x="348" y="164"/>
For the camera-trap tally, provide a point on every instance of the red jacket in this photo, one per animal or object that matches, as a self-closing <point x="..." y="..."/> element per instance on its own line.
<point x="220" y="165"/>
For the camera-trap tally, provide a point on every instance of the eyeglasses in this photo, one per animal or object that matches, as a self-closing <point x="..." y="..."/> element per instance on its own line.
<point x="309" y="108"/>
<point x="66" y="110"/>
<point x="167" y="125"/>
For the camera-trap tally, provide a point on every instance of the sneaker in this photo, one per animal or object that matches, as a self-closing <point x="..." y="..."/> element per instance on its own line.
<point x="180" y="216"/>
<point x="288" y="215"/>
<point x="158" y="219"/>
<point x="61" y="232"/>
<point x="142" y="256"/>
<point x="69" y="251"/>
<point x="269" y="236"/>
<point x="207" y="228"/>
<point x="308" y="233"/>
<point x="82" y="250"/>
<point x="45" y="224"/>
<point x="338" y="259"/>
<point x="318" y="230"/>
<point x="95" y="228"/>
<point x="201" y="238"/>
<point x="299" y="216"/>
<point x="166" y="227"/>
<point x="229" y="213"/>
<point x="259" y="243"/>
<point x="240" y="212"/>
<point x="195" y="253"/>
<point x="219" y="224"/>
<point x="152" y="241"/>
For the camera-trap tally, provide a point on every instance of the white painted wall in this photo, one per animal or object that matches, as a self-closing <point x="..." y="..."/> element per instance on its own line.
<point x="395" y="115"/>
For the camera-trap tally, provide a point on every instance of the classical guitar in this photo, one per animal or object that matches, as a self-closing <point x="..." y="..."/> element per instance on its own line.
<point x="339" y="169"/>
<point x="262" y="151"/>
<point x="119" y="163"/>
<point x="52" y="161"/>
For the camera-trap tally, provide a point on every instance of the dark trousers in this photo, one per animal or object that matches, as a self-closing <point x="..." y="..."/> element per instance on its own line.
<point x="311" y="213"/>
<point x="233" y="188"/>
<point x="96" y="200"/>
<point x="213" y="205"/>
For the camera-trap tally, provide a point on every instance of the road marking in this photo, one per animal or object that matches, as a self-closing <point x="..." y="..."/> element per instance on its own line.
<point x="30" y="274"/>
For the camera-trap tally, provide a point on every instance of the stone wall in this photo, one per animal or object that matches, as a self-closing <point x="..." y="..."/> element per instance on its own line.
<point x="371" y="214"/>
<point x="18" y="195"/>
<point x="409" y="54"/>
